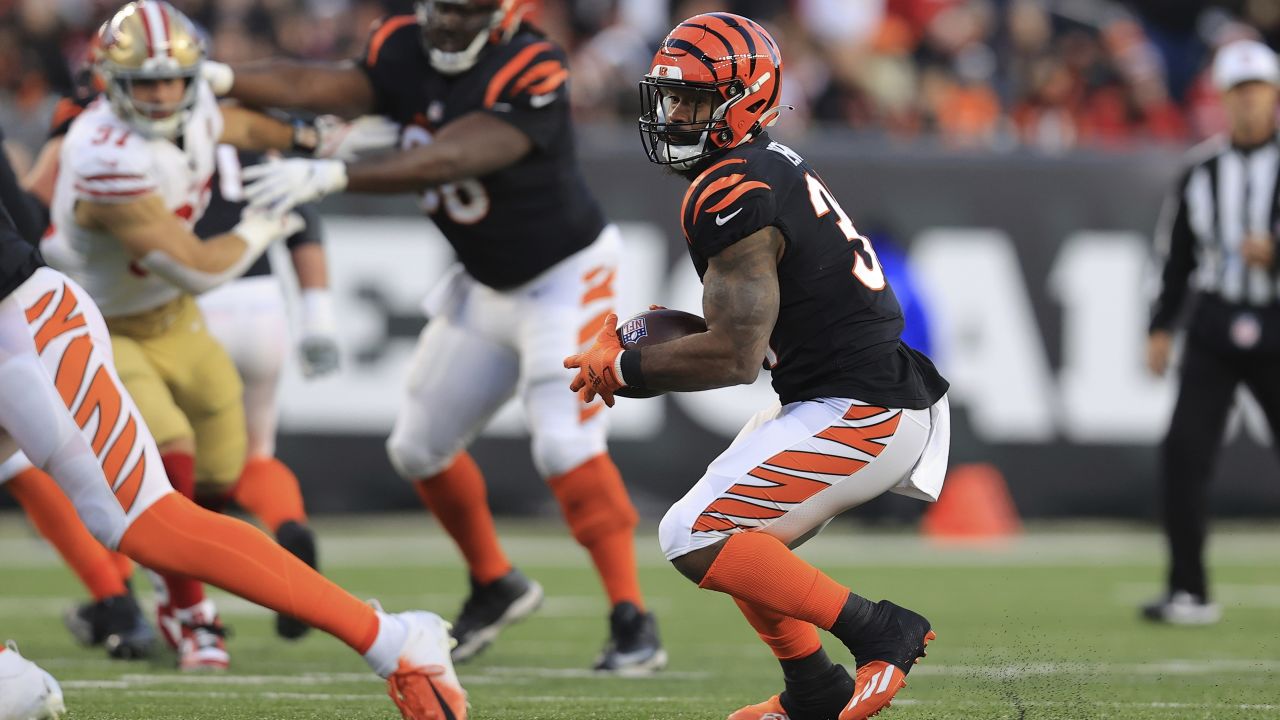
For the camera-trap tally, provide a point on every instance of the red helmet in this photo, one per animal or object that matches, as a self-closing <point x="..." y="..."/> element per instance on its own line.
<point x="714" y="85"/>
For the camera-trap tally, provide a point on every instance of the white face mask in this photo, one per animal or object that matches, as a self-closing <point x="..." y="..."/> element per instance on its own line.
<point x="456" y="61"/>
<point x="140" y="114"/>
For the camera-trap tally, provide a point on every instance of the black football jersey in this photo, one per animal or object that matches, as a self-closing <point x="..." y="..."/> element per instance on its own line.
<point x="510" y="225"/>
<point x="839" y="324"/>
<point x="226" y="202"/>
<point x="19" y="258"/>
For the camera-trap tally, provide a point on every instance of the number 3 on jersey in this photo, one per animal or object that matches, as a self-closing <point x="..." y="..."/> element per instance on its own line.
<point x="866" y="266"/>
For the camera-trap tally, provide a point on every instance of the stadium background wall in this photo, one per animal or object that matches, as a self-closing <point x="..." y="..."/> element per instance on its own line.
<point x="1034" y="272"/>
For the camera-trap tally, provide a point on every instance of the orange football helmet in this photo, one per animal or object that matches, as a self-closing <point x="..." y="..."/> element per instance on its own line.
<point x="455" y="32"/>
<point x="714" y="85"/>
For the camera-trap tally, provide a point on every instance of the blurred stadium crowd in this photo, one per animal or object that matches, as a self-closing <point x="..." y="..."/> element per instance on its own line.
<point x="987" y="74"/>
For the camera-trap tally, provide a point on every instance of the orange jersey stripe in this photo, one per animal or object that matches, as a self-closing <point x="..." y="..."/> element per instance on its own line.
<point x="816" y="462"/>
<point x="64" y="112"/>
<point x="72" y="369"/>
<point x="105" y="398"/>
<point x="736" y="193"/>
<point x="743" y="509"/>
<point x="541" y="71"/>
<point x="684" y="206"/>
<point x="864" y="438"/>
<point x="385" y="31"/>
<point x="790" y="489"/>
<point x="590" y="411"/>
<point x="38" y="309"/>
<point x="127" y="493"/>
<point x="588" y="331"/>
<point x="550" y="84"/>
<point x="61" y="321"/>
<point x="862" y="412"/>
<point x="511" y="69"/>
<point x="723" y="183"/>
<point x="120" y="451"/>
<point x="604" y="289"/>
<point x="711" y="523"/>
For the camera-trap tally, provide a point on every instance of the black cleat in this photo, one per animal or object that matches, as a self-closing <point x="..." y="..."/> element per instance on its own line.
<point x="491" y="607"/>
<point x="299" y="540"/>
<point x="633" y="647"/>
<point x="116" y="623"/>
<point x="895" y="635"/>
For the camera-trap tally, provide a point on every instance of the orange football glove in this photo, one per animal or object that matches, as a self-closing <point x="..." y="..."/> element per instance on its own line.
<point x="597" y="373"/>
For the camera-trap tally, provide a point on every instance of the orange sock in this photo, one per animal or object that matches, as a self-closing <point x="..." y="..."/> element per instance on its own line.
<point x="602" y="519"/>
<point x="789" y="638"/>
<point x="459" y="501"/>
<point x="177" y="536"/>
<point x="758" y="568"/>
<point x="269" y="491"/>
<point x="54" y="517"/>
<point x="124" y="566"/>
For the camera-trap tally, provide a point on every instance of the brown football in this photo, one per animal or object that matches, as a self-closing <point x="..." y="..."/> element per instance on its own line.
<point x="654" y="328"/>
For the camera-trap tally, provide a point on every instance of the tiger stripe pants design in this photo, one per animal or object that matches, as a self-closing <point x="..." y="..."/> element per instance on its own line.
<point x="75" y="348"/>
<point x="792" y="469"/>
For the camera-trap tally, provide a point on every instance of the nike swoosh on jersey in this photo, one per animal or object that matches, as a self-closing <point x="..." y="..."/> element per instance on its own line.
<point x="541" y="101"/>
<point x="722" y="220"/>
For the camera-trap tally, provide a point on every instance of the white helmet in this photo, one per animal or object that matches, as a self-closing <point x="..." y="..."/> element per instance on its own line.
<point x="149" y="40"/>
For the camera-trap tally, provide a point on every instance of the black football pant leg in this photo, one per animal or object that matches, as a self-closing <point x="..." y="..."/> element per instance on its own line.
<point x="1205" y="395"/>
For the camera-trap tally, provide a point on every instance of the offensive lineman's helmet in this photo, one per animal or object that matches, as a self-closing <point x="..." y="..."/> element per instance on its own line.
<point x="455" y="32"/>
<point x="149" y="40"/>
<point x="727" y="70"/>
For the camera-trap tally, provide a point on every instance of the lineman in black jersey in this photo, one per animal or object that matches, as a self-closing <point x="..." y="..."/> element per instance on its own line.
<point x="786" y="277"/>
<point x="483" y="98"/>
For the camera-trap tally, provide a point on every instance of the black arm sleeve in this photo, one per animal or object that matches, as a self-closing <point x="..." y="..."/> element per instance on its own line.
<point x="1175" y="242"/>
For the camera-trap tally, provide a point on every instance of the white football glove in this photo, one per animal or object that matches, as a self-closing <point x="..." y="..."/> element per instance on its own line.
<point x="346" y="140"/>
<point x="219" y="76"/>
<point x="280" y="185"/>
<point x="318" y="345"/>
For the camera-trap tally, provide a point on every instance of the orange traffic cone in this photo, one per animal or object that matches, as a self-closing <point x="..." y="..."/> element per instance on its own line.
<point x="975" y="505"/>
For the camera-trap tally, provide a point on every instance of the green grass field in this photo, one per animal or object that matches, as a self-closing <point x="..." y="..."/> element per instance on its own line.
<point x="1042" y="628"/>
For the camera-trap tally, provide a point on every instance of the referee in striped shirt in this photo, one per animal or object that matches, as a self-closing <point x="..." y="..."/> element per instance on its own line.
<point x="1217" y="236"/>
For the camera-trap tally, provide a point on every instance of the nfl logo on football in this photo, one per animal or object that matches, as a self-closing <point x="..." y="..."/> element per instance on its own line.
<point x="633" y="330"/>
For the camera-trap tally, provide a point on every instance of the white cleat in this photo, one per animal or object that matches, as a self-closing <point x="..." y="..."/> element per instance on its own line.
<point x="202" y="645"/>
<point x="1182" y="608"/>
<point x="424" y="685"/>
<point x="26" y="691"/>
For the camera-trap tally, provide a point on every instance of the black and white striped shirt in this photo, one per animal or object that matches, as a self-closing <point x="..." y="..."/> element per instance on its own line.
<point x="1225" y="195"/>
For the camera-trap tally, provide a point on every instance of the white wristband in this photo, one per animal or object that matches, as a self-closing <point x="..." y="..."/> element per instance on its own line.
<point x="617" y="368"/>
<point x="317" y="312"/>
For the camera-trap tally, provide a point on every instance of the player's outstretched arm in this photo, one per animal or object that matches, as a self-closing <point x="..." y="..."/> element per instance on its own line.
<point x="250" y="130"/>
<point x="340" y="88"/>
<point x="472" y="146"/>
<point x="163" y="245"/>
<point x="740" y="302"/>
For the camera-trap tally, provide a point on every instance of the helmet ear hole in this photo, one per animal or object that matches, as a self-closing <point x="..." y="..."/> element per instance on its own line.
<point x="754" y="107"/>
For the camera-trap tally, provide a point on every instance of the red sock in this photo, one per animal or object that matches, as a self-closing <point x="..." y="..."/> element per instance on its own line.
<point x="759" y="569"/>
<point x="175" y="535"/>
<point x="181" y="469"/>
<point x="459" y="501"/>
<point x="595" y="503"/>
<point x="55" y="518"/>
<point x="269" y="491"/>
<point x="789" y="638"/>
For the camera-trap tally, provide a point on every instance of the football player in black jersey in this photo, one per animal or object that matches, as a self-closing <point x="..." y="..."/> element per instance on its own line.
<point x="786" y="277"/>
<point x="483" y="98"/>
